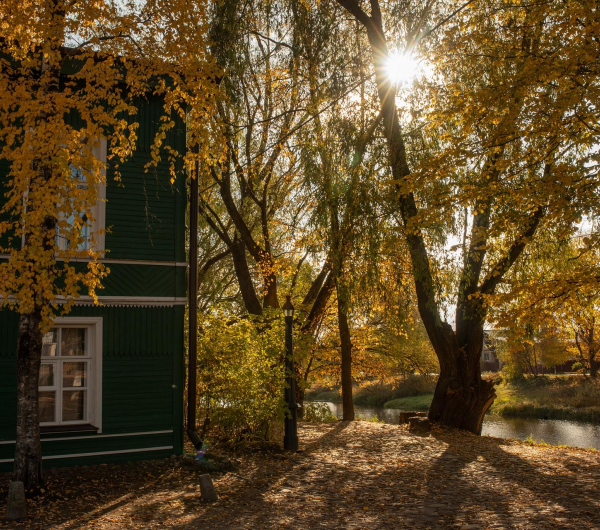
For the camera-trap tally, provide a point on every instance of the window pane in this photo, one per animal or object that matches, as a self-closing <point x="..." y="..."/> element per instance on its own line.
<point x="72" y="342"/>
<point x="77" y="173"/>
<point x="47" y="375"/>
<point x="74" y="375"/>
<point x="73" y="405"/>
<point x="47" y="401"/>
<point x="49" y="343"/>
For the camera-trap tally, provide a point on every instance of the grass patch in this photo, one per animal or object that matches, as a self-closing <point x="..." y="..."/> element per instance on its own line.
<point x="365" y="399"/>
<point x="333" y="396"/>
<point x="549" y="397"/>
<point x="377" y="394"/>
<point x="545" y="397"/>
<point x="418" y="403"/>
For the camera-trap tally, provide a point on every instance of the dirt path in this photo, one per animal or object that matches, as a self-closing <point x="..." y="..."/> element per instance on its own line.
<point x="357" y="475"/>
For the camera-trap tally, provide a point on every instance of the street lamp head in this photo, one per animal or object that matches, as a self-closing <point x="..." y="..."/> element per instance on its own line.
<point x="288" y="308"/>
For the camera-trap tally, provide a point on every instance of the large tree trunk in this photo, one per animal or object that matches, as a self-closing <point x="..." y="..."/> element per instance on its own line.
<point x="28" y="451"/>
<point x="461" y="403"/>
<point x="461" y="397"/>
<point x="346" y="347"/>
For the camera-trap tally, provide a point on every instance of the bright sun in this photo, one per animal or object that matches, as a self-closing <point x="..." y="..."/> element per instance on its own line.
<point x="401" y="68"/>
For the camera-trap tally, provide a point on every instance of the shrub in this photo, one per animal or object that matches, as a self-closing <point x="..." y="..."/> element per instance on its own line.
<point x="241" y="376"/>
<point x="318" y="412"/>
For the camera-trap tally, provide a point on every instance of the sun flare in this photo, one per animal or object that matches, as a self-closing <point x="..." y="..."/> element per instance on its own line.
<point x="401" y="68"/>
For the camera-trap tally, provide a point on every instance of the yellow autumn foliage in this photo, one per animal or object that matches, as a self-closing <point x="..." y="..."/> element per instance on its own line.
<point x="241" y="375"/>
<point x="70" y="73"/>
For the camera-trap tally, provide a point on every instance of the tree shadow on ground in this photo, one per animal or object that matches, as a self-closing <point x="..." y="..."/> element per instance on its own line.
<point x="357" y="475"/>
<point x="465" y="481"/>
<point x="543" y="495"/>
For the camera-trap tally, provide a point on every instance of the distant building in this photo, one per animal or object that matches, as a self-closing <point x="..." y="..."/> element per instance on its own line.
<point x="489" y="362"/>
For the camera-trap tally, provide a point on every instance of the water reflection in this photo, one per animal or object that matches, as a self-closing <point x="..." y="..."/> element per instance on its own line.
<point x="554" y="432"/>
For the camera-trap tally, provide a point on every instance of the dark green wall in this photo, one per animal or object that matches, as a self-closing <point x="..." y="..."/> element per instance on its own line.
<point x="143" y="280"/>
<point x="142" y="383"/>
<point x="142" y="346"/>
<point x="145" y="213"/>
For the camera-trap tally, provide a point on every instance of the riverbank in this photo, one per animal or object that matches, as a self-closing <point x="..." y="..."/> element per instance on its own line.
<point x="354" y="475"/>
<point x="574" y="398"/>
<point x="549" y="397"/>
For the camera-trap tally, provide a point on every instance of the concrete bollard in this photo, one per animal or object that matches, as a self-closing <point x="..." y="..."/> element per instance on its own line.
<point x="16" y="507"/>
<point x="207" y="488"/>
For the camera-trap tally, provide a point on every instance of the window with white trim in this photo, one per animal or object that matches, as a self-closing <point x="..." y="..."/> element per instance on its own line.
<point x="98" y="210"/>
<point x="486" y="356"/>
<point x="70" y="373"/>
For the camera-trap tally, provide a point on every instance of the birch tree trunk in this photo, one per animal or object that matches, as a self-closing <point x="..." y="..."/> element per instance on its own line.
<point x="28" y="451"/>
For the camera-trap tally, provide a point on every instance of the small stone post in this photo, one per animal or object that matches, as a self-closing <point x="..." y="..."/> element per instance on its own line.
<point x="16" y="507"/>
<point x="207" y="489"/>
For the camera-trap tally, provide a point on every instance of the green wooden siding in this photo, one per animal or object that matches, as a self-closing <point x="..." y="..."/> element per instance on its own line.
<point x="127" y="280"/>
<point x="144" y="214"/>
<point x="142" y="385"/>
<point x="143" y="350"/>
<point x="8" y="374"/>
<point x="144" y="280"/>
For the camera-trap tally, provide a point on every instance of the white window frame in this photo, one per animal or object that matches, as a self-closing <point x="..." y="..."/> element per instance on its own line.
<point x="486" y="357"/>
<point x="99" y="209"/>
<point x="93" y="412"/>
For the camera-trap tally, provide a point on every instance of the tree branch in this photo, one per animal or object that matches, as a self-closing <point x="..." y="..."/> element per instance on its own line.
<point x="505" y="263"/>
<point x="353" y="7"/>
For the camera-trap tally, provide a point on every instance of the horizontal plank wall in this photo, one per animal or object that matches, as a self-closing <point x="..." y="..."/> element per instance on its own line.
<point x="142" y="388"/>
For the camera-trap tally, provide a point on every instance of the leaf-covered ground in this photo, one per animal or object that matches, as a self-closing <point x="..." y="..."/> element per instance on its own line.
<point x="350" y="475"/>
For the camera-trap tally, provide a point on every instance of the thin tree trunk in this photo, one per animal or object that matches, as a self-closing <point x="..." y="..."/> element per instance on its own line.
<point x="592" y="351"/>
<point x="593" y="367"/>
<point x="300" y="389"/>
<point x="240" y="263"/>
<point x="319" y="305"/>
<point x="346" y="347"/>
<point x="270" y="288"/>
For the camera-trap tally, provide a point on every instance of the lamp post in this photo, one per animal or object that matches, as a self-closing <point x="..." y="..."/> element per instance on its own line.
<point x="290" y="438"/>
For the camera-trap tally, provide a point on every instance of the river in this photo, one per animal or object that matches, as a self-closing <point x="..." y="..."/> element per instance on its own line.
<point x="554" y="432"/>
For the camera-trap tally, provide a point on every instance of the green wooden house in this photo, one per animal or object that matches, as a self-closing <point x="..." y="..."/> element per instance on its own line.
<point x="112" y="376"/>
